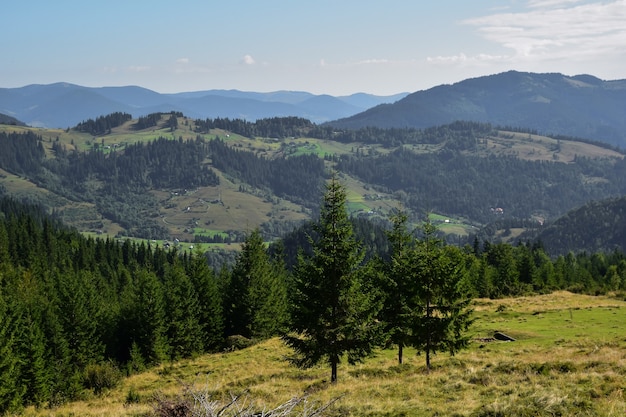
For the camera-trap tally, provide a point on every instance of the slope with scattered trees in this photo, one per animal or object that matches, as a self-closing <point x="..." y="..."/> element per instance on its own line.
<point x="77" y="313"/>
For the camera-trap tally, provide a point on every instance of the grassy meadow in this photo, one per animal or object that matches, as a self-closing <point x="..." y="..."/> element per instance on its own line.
<point x="568" y="359"/>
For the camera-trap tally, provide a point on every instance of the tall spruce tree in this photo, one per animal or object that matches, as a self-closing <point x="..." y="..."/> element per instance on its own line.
<point x="399" y="285"/>
<point x="333" y="314"/>
<point x="267" y="294"/>
<point x="443" y="314"/>
<point x="210" y="301"/>
<point x="143" y="317"/>
<point x="258" y="296"/>
<point x="80" y="318"/>
<point x="10" y="390"/>
<point x="183" y="313"/>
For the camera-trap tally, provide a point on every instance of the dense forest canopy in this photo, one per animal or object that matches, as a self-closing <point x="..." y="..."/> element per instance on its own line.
<point x="103" y="124"/>
<point x="453" y="183"/>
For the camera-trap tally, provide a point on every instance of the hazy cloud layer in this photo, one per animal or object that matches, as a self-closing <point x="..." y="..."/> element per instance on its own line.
<point x="558" y="29"/>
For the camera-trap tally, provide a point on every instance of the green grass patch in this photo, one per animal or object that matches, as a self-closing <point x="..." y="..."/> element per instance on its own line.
<point x="357" y="207"/>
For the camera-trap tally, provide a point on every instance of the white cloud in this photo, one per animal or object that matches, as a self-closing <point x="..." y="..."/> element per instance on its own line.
<point x="182" y="61"/>
<point x="139" y="68"/>
<point x="463" y="59"/>
<point x="558" y="29"/>
<point x="550" y="3"/>
<point x="363" y="62"/>
<point x="372" y="61"/>
<point x="248" y="60"/>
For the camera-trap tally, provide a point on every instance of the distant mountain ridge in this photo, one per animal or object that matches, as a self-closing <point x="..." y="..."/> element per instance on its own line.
<point x="580" y="106"/>
<point x="64" y="105"/>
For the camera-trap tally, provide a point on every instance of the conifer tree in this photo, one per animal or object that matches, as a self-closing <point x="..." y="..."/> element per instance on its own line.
<point x="443" y="315"/>
<point x="35" y="377"/>
<point x="36" y="363"/>
<point x="399" y="285"/>
<point x="332" y="312"/>
<point x="10" y="393"/>
<point x="210" y="301"/>
<point x="184" y="331"/>
<point x="4" y="245"/>
<point x="80" y="318"/>
<point x="258" y="296"/>
<point x="144" y="318"/>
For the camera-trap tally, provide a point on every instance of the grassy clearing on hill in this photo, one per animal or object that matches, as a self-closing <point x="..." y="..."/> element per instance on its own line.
<point x="569" y="360"/>
<point x="541" y="148"/>
<point x="244" y="211"/>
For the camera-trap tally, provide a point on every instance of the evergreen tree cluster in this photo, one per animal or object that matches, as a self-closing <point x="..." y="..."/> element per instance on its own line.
<point x="297" y="178"/>
<point x="595" y="227"/>
<point x="103" y="124"/>
<point x="22" y="153"/>
<point x="459" y="135"/>
<point x="478" y="184"/>
<point x="147" y="121"/>
<point x="118" y="181"/>
<point x="162" y="163"/>
<point x="75" y="309"/>
<point x="274" y="127"/>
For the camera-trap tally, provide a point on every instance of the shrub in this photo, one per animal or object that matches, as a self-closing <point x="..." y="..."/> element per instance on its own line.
<point x="237" y="342"/>
<point x="102" y="376"/>
<point x="132" y="397"/>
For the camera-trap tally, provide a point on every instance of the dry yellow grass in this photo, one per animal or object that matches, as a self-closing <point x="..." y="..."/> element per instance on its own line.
<point x="568" y="373"/>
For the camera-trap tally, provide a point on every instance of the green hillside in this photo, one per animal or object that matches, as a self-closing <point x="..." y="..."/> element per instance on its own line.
<point x="101" y="326"/>
<point x="265" y="175"/>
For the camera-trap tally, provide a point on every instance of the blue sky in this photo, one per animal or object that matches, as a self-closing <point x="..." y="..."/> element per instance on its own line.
<point x="333" y="47"/>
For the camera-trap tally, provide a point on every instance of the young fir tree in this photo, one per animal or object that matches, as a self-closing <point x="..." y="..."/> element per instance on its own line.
<point x="399" y="285"/>
<point x="10" y="390"/>
<point x="210" y="301"/>
<point x="37" y="372"/>
<point x="258" y="296"/>
<point x="333" y="314"/>
<point x="183" y="314"/>
<point x="144" y="320"/>
<point x="80" y="318"/>
<point x="35" y="377"/>
<point x="443" y="314"/>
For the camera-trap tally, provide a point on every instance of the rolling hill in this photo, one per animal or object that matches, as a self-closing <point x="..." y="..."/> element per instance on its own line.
<point x="200" y="184"/>
<point x="555" y="104"/>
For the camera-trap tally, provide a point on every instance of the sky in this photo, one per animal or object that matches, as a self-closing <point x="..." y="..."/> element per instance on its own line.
<point x="336" y="47"/>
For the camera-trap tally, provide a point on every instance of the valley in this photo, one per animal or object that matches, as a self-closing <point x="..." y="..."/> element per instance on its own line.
<point x="220" y="215"/>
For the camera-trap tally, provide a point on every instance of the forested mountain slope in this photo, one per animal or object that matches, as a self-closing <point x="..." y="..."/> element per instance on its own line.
<point x="594" y="227"/>
<point x="169" y="177"/>
<point x="580" y="106"/>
